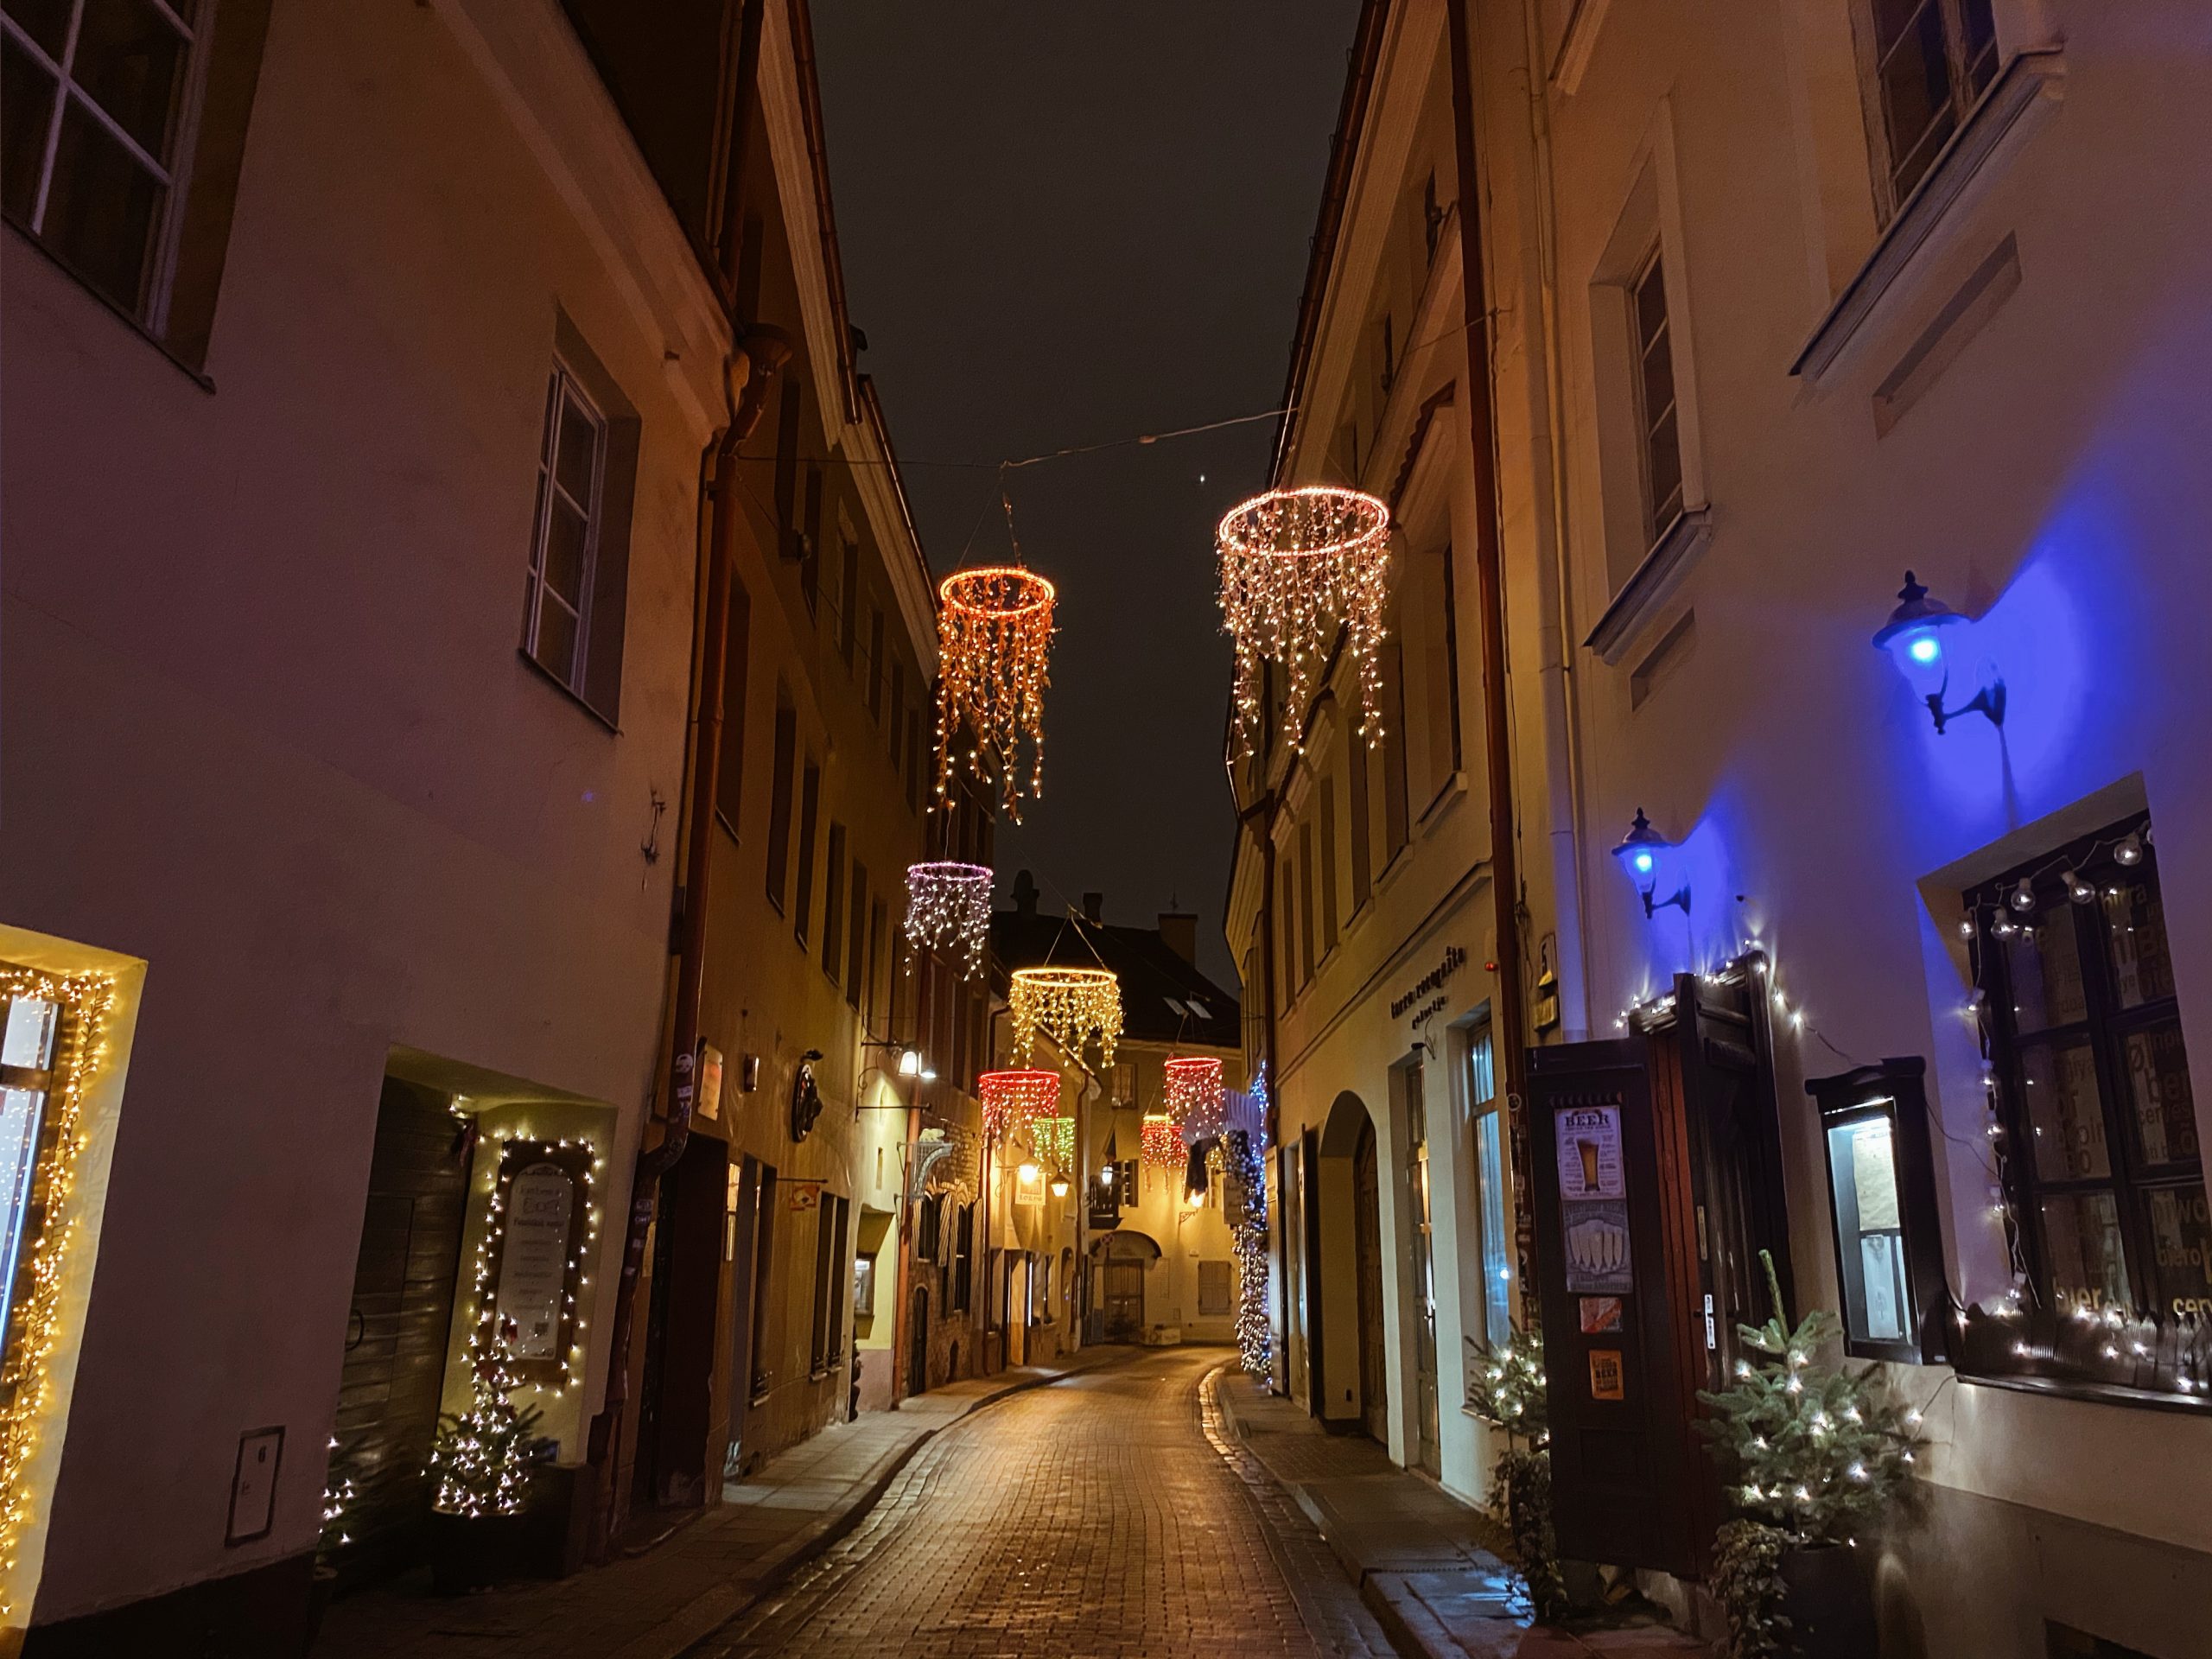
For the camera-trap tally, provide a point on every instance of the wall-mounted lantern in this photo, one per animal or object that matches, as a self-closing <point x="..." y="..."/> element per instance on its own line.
<point x="1654" y="865"/>
<point x="1925" y="638"/>
<point x="1888" y="1238"/>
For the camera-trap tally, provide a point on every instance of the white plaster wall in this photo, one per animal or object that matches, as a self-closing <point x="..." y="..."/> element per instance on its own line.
<point x="265" y="727"/>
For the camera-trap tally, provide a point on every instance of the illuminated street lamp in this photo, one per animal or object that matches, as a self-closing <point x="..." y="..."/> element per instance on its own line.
<point x="1654" y="865"/>
<point x="1925" y="637"/>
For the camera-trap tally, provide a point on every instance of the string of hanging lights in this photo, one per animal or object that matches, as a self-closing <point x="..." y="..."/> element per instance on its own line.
<point x="1296" y="567"/>
<point x="1161" y="1145"/>
<point x="1016" y="1098"/>
<point x="948" y="910"/>
<point x="995" y="636"/>
<point x="1070" y="1005"/>
<point x="1194" y="1097"/>
<point x="1055" y="1140"/>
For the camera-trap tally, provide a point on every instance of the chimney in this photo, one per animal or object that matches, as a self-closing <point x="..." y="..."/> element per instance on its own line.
<point x="1094" y="905"/>
<point x="1178" y="932"/>
<point x="1025" y="894"/>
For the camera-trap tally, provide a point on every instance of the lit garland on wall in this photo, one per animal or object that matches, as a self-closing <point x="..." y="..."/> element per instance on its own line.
<point x="80" y="1050"/>
<point x="948" y="910"/>
<point x="1015" y="1100"/>
<point x="1246" y="1165"/>
<point x="1194" y="1098"/>
<point x="1162" y="1143"/>
<point x="995" y="636"/>
<point x="1297" y="566"/>
<point x="1070" y="1005"/>
<point x="515" y="1155"/>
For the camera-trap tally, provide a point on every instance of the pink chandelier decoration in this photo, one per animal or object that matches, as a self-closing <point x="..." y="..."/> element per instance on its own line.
<point x="1195" y="1099"/>
<point x="948" y="910"/>
<point x="1296" y="567"/>
<point x="995" y="633"/>
<point x="1162" y="1143"/>
<point x="1015" y="1099"/>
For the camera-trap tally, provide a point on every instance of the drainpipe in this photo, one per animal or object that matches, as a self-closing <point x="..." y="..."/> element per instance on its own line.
<point x="1510" y="1019"/>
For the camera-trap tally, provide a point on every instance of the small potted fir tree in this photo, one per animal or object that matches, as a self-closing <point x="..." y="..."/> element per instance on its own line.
<point x="1818" y="1453"/>
<point x="1506" y="1390"/>
<point x="482" y="1463"/>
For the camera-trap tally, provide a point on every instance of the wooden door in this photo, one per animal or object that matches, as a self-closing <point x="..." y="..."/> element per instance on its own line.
<point x="1124" y="1300"/>
<point x="396" y="1334"/>
<point x="918" y="1341"/>
<point x="1374" y="1385"/>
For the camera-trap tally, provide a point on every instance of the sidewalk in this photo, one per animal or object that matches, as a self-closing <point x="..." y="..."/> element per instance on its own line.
<point x="655" y="1605"/>
<point x="1424" y="1561"/>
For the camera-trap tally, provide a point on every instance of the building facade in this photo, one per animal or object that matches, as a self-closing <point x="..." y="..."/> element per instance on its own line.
<point x="1774" y="307"/>
<point x="349" y="743"/>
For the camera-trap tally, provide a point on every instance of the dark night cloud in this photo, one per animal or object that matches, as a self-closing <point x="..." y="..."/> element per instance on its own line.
<point x="1066" y="223"/>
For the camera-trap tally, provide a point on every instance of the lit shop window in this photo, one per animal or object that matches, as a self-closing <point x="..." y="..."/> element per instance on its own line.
<point x="26" y="1055"/>
<point x="1882" y="1183"/>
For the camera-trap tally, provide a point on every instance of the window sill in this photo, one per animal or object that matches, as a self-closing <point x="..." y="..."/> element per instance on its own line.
<point x="1652" y="584"/>
<point x="2033" y="81"/>
<point x="198" y="377"/>
<point x="2101" y="1394"/>
<point x="1448" y="794"/>
<point x="566" y="690"/>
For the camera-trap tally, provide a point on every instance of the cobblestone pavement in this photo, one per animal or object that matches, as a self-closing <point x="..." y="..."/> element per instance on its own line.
<point x="1110" y="1516"/>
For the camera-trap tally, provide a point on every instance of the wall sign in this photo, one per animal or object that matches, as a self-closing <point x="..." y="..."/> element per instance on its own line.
<point x="534" y="1262"/>
<point x="1606" y="1379"/>
<point x="1455" y="960"/>
<point x="1593" y="1201"/>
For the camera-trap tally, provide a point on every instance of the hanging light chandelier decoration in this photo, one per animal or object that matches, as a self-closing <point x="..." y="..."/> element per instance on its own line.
<point x="1194" y="1097"/>
<point x="1014" y="1099"/>
<point x="1070" y="1005"/>
<point x="1162" y="1145"/>
<point x="949" y="910"/>
<point x="1055" y="1140"/>
<point x="994" y="633"/>
<point x="1296" y="565"/>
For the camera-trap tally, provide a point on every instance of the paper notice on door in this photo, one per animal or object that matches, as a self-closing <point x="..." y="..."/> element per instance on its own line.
<point x="1599" y="1314"/>
<point x="1589" y="1153"/>
<point x="1607" y="1381"/>
<point x="1597" y="1253"/>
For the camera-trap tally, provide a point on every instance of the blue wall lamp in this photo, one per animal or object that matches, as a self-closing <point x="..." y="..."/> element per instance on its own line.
<point x="1655" y="864"/>
<point x="1922" y="636"/>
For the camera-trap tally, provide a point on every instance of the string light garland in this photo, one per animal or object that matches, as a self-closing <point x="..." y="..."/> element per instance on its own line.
<point x="995" y="637"/>
<point x="1055" y="1140"/>
<point x="1245" y="1164"/>
<point x="1070" y="1005"/>
<point x="948" y="910"/>
<point x="480" y="1461"/>
<point x="578" y="1158"/>
<point x="83" y="1002"/>
<point x="1162" y="1143"/>
<point x="1296" y="567"/>
<point x="1194" y="1098"/>
<point x="1015" y="1099"/>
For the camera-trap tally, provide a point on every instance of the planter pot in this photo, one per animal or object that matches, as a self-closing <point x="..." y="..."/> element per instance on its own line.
<point x="1830" y="1604"/>
<point x="474" y="1552"/>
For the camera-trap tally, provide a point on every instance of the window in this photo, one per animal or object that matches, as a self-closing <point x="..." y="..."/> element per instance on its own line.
<point x="928" y="1231"/>
<point x="729" y="771"/>
<point x="1363" y="830"/>
<point x="809" y="808"/>
<point x="872" y="670"/>
<point x="1931" y="60"/>
<point x="2108" y="1175"/>
<point x="571" y="464"/>
<point x="1489" y="1187"/>
<point x="873" y="1014"/>
<point x="1396" y="818"/>
<point x="896" y="726"/>
<point x="914" y="779"/>
<point x="779" y="802"/>
<point x="792" y="537"/>
<point x="1305" y="903"/>
<point x="829" y="1339"/>
<point x="963" y="1257"/>
<point x="1329" y="864"/>
<point x="833" y="902"/>
<point x="1213" y="1290"/>
<point x="848" y="601"/>
<point x="1287" y="928"/>
<point x="764" y="1258"/>
<point x="95" y="94"/>
<point x="856" y="956"/>
<point x="26" y="1047"/>
<point x="1656" y="420"/>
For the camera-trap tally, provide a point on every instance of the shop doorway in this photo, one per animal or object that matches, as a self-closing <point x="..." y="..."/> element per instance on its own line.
<point x="1128" y="1254"/>
<point x="917" y="1342"/>
<point x="1367" y="1214"/>
<point x="396" y="1330"/>
<point x="1421" y="1260"/>
<point x="675" y="1403"/>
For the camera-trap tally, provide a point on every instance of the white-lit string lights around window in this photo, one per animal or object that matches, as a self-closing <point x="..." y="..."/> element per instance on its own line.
<point x="1193" y="1095"/>
<point x="1161" y="1146"/>
<point x="1070" y="1005"/>
<point x="579" y="1160"/>
<point x="83" y="1002"/>
<point x="1297" y="566"/>
<point x="948" y="910"/>
<point x="1015" y="1099"/>
<point x="994" y="638"/>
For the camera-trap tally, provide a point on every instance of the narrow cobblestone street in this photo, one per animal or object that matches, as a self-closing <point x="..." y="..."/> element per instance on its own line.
<point x="1105" y="1517"/>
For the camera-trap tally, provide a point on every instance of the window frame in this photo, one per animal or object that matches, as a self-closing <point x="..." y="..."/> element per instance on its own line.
<point x="1657" y="525"/>
<point x="1965" y="81"/>
<point x="563" y="386"/>
<point x="158" y="272"/>
<point x="2106" y="1027"/>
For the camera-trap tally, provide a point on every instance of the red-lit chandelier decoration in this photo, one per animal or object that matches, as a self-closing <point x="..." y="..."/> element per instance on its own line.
<point x="1162" y="1143"/>
<point x="1194" y="1099"/>
<point x="1296" y="566"/>
<point x="1070" y="1005"/>
<point x="949" y="910"/>
<point x="994" y="632"/>
<point x="1014" y="1099"/>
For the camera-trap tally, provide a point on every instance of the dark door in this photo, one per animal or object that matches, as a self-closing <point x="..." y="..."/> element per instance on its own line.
<point x="1373" y="1386"/>
<point x="917" y="1342"/>
<point x="676" y="1404"/>
<point x="1124" y="1300"/>
<point x="740" y="1225"/>
<point x="1429" y="1454"/>
<point x="401" y="1319"/>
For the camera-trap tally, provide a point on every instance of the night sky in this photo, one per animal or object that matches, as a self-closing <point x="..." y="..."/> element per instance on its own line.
<point x="1068" y="222"/>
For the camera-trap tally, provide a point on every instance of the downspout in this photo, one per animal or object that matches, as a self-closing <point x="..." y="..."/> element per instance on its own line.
<point x="1562" y="727"/>
<point x="1509" y="1017"/>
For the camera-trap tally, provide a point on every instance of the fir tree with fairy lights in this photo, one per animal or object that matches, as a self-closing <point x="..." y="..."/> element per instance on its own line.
<point x="1505" y="1387"/>
<point x="1818" y="1452"/>
<point x="482" y="1461"/>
